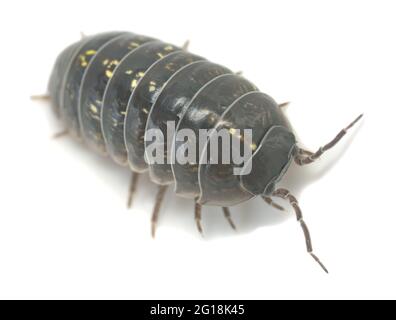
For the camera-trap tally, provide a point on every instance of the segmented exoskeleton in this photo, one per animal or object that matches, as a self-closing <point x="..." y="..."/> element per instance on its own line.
<point x="110" y="89"/>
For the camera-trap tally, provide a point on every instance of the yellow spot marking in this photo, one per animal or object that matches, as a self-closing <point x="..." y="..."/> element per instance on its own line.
<point x="133" y="83"/>
<point x="90" y="52"/>
<point x="141" y="74"/>
<point x="113" y="63"/>
<point x="129" y="72"/>
<point x="105" y="62"/>
<point x="83" y="61"/>
<point x="152" y="86"/>
<point x="253" y="146"/>
<point x="133" y="45"/>
<point x="232" y="131"/>
<point x="159" y="54"/>
<point x="168" y="48"/>
<point x="145" y="110"/>
<point x="93" y="108"/>
<point x="109" y="73"/>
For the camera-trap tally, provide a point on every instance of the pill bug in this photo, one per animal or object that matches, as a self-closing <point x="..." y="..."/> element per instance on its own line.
<point x="110" y="89"/>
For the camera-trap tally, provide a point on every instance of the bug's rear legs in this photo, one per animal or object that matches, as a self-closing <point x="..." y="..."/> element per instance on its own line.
<point x="284" y="104"/>
<point x="40" y="97"/>
<point x="285" y="194"/>
<point x="60" y="134"/>
<point x="227" y="215"/>
<point x="157" y="206"/>
<point x="46" y="97"/>
<point x="132" y="188"/>
<point x="301" y="160"/>
<point x="186" y="45"/>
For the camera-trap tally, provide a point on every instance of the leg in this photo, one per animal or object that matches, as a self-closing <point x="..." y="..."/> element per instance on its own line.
<point x="285" y="194"/>
<point x="185" y="45"/>
<point x="132" y="188"/>
<point x="40" y="97"/>
<point x="272" y="203"/>
<point x="60" y="134"/>
<point x="284" y="104"/>
<point x="301" y="160"/>
<point x="227" y="215"/>
<point x="157" y="206"/>
<point x="198" y="216"/>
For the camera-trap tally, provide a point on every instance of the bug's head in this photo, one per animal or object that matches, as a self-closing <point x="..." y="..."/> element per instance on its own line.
<point x="268" y="146"/>
<point x="269" y="161"/>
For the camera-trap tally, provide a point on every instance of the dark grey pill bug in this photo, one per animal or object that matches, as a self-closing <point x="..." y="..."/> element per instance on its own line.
<point x="110" y="89"/>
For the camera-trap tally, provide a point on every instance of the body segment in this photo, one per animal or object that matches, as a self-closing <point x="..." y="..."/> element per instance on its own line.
<point x="94" y="83"/>
<point x="171" y="105"/>
<point x="204" y="112"/>
<point x="71" y="86"/>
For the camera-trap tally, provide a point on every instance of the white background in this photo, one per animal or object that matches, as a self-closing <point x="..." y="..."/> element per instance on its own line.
<point x="64" y="229"/>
